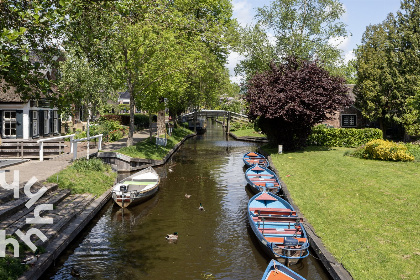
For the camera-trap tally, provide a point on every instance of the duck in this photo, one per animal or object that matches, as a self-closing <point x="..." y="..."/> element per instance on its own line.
<point x="31" y="260"/>
<point x="74" y="272"/>
<point x="187" y="195"/>
<point x="172" y="237"/>
<point x="201" y="207"/>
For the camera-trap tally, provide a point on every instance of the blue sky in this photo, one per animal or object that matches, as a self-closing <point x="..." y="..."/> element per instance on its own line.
<point x="359" y="14"/>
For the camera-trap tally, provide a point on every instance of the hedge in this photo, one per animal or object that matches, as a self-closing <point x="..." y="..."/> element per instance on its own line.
<point x="342" y="137"/>
<point x="140" y="120"/>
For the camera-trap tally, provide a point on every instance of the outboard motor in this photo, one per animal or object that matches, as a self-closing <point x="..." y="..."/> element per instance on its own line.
<point x="123" y="188"/>
<point x="290" y="241"/>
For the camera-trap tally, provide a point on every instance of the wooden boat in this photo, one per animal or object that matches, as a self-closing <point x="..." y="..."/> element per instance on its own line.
<point x="277" y="271"/>
<point x="260" y="178"/>
<point x="277" y="227"/>
<point x="252" y="158"/>
<point x="136" y="188"/>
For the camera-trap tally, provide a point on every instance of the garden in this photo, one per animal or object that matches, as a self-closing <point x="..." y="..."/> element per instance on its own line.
<point x="362" y="201"/>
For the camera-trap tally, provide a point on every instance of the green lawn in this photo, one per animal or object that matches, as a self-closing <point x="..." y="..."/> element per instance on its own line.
<point x="84" y="176"/>
<point x="148" y="149"/>
<point x="366" y="212"/>
<point x="247" y="133"/>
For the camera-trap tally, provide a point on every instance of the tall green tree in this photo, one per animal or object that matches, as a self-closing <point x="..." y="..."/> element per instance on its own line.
<point x="388" y="69"/>
<point x="85" y="86"/>
<point x="29" y="38"/>
<point x="299" y="28"/>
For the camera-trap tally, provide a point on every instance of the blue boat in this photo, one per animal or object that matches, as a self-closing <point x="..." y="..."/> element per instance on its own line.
<point x="278" y="228"/>
<point x="277" y="271"/>
<point x="252" y="158"/>
<point x="260" y="178"/>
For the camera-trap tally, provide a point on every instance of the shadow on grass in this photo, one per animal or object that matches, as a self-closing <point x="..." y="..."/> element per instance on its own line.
<point x="274" y="150"/>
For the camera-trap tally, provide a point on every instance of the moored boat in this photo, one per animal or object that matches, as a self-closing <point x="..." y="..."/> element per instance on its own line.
<point x="278" y="228"/>
<point x="136" y="188"/>
<point x="277" y="271"/>
<point x="253" y="158"/>
<point x="260" y="178"/>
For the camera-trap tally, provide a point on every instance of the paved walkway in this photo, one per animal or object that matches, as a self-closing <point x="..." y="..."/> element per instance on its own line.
<point x="44" y="169"/>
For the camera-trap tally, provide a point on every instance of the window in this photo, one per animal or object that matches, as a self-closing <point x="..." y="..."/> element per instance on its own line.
<point x="55" y="123"/>
<point x="46" y="122"/>
<point x="9" y="124"/>
<point x="348" y="120"/>
<point x="34" y="123"/>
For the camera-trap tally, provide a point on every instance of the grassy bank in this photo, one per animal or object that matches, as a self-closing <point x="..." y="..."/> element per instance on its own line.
<point x="149" y="150"/>
<point x="365" y="211"/>
<point x="85" y="176"/>
<point x="250" y="132"/>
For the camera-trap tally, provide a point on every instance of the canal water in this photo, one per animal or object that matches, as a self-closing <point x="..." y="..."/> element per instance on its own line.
<point x="216" y="243"/>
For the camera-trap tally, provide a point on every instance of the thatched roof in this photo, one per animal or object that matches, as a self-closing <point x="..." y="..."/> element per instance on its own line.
<point x="8" y="93"/>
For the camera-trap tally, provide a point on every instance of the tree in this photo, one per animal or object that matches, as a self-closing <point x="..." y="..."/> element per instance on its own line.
<point x="82" y="85"/>
<point x="300" y="28"/>
<point x="290" y="98"/>
<point x="388" y="69"/>
<point x="28" y="45"/>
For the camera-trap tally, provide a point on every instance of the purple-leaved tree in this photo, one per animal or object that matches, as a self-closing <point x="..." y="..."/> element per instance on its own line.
<point x="292" y="97"/>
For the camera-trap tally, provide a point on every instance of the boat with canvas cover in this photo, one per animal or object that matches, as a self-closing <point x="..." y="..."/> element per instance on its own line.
<point x="278" y="228"/>
<point x="278" y="271"/>
<point x="260" y="178"/>
<point x="253" y="158"/>
<point x="136" y="188"/>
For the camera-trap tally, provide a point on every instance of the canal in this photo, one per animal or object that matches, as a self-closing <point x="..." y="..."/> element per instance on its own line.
<point x="213" y="244"/>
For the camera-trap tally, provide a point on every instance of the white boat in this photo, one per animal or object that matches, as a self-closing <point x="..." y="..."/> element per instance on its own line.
<point x="136" y="188"/>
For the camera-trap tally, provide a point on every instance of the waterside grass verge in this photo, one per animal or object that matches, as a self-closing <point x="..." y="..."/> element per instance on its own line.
<point x="250" y="132"/>
<point x="85" y="176"/>
<point x="148" y="149"/>
<point x="365" y="211"/>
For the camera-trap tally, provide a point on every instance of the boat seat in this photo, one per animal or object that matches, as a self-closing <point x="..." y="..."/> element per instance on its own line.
<point x="280" y="240"/>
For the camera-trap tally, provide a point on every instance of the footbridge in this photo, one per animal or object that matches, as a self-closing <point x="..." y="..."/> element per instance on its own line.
<point x="227" y="116"/>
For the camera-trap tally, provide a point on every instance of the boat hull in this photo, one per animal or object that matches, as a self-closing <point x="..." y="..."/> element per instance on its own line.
<point x="262" y="180"/>
<point x="132" y="201"/>
<point x="136" y="188"/>
<point x="278" y="229"/>
<point x="277" y="271"/>
<point x="253" y="158"/>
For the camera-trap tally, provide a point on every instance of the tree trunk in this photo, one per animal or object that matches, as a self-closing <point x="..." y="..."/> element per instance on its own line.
<point x="88" y="135"/>
<point x="382" y="127"/>
<point x="131" y="128"/>
<point x="150" y="126"/>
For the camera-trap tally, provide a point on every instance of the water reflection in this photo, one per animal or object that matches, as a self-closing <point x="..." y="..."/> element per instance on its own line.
<point x="212" y="244"/>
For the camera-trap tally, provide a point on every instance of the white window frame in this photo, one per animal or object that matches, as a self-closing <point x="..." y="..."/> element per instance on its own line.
<point x="46" y="122"/>
<point x="55" y="122"/>
<point x="9" y="121"/>
<point x="35" y="130"/>
<point x="349" y="125"/>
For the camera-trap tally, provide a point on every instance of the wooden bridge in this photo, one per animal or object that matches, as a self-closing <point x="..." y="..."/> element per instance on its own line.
<point x="227" y="116"/>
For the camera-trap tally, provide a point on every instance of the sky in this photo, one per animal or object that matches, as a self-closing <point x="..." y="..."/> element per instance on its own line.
<point x="358" y="15"/>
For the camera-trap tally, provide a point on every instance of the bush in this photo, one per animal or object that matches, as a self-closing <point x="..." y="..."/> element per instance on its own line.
<point x="140" y="120"/>
<point x="342" y="137"/>
<point x="384" y="150"/>
<point x="414" y="149"/>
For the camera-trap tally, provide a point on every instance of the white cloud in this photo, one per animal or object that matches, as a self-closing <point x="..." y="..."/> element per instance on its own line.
<point x="233" y="59"/>
<point x="242" y="11"/>
<point x="348" y="56"/>
<point x="340" y="42"/>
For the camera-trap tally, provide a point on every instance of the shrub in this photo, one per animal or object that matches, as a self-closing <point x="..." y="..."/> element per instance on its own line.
<point x="414" y="149"/>
<point x="384" y="150"/>
<point x="342" y="137"/>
